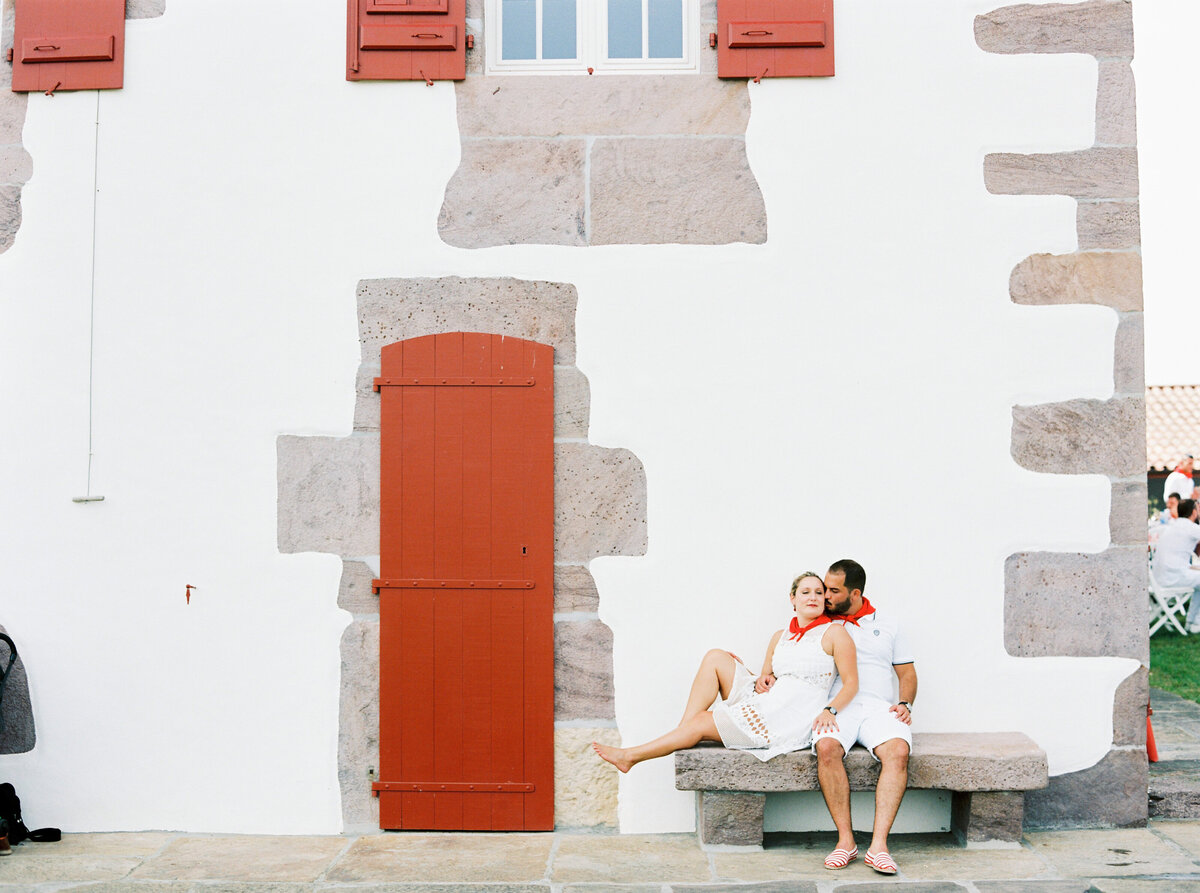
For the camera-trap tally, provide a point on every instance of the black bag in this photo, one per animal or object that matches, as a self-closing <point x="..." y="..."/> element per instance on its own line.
<point x="10" y="815"/>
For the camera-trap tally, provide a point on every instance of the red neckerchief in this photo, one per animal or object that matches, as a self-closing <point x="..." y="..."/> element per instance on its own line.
<point x="866" y="609"/>
<point x="1179" y="469"/>
<point x="797" y="633"/>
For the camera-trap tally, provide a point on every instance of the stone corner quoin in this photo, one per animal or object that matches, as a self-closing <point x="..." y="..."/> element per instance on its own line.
<point x="1085" y="436"/>
<point x="1094" y="27"/>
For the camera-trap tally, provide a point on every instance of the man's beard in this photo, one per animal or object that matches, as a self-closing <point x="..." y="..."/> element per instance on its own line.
<point x="832" y="607"/>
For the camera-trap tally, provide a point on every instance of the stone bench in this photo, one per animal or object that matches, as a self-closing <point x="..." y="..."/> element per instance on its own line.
<point x="988" y="772"/>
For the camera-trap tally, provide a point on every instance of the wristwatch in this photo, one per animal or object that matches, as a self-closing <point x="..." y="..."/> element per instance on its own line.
<point x="832" y="710"/>
<point x="907" y="706"/>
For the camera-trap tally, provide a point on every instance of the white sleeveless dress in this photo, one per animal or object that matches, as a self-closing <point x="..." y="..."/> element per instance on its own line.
<point x="779" y="720"/>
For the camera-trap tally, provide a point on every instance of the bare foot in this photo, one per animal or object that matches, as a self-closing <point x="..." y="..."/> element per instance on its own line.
<point x="614" y="755"/>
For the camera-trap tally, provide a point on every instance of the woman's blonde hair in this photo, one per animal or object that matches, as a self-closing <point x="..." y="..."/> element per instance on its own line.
<point x="796" y="582"/>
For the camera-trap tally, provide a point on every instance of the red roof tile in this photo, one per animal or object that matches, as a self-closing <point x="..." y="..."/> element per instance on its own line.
<point x="1172" y="424"/>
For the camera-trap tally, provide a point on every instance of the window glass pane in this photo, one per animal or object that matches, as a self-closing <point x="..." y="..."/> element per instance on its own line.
<point x="518" y="26"/>
<point x="666" y="29"/>
<point x="624" y="29"/>
<point x="558" y="29"/>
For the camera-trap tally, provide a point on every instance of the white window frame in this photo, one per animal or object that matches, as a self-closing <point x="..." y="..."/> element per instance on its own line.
<point x="591" y="44"/>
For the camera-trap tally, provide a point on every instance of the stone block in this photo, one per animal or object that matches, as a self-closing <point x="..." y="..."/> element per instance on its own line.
<point x="599" y="502"/>
<point x="574" y="590"/>
<point x="144" y="9"/>
<point x="572" y="402"/>
<point x="1129" y="355"/>
<point x="516" y="192"/>
<point x="1127" y="515"/>
<point x="1110" y="794"/>
<point x="1082" y="437"/>
<point x="967" y="761"/>
<point x="391" y="310"/>
<point x="1113" y="279"/>
<point x="1129" y="709"/>
<point x="328" y="494"/>
<point x="730" y="818"/>
<point x="1076" y="605"/>
<point x="644" y="191"/>
<point x="354" y="591"/>
<point x="10" y="215"/>
<point x="16" y="165"/>
<point x="1116" y="120"/>
<point x="1102" y="172"/>
<point x="1098" y="27"/>
<point x="367" y="405"/>
<point x="583" y="670"/>
<point x="585" y="787"/>
<point x="1108" y="225"/>
<point x="358" y="723"/>
<point x="636" y="105"/>
<point x="986" y="816"/>
<point x="19" y="735"/>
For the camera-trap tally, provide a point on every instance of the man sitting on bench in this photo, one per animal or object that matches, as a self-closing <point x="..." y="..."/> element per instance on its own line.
<point x="871" y="719"/>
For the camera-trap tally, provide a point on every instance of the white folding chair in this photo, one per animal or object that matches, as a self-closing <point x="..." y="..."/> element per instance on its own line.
<point x="1168" y="606"/>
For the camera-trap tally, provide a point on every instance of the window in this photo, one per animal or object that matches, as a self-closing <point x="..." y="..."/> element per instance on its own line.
<point x="572" y="36"/>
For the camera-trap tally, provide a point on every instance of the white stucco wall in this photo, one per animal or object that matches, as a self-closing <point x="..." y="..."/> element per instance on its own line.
<point x="843" y="390"/>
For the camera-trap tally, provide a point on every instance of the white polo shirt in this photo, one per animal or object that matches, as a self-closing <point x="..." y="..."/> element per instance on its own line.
<point x="1173" y="554"/>
<point x="1178" y="482"/>
<point x="880" y="644"/>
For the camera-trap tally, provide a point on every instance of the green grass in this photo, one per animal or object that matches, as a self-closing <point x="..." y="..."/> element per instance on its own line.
<point x="1175" y="664"/>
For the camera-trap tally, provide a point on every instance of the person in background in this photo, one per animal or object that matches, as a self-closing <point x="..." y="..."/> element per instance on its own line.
<point x="1180" y="480"/>
<point x="1173" y="557"/>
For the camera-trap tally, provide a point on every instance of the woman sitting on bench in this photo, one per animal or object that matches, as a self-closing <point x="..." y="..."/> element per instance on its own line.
<point x="775" y="712"/>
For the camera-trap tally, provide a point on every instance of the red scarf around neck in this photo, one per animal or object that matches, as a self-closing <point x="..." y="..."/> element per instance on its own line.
<point x="795" y="632"/>
<point x="867" y="608"/>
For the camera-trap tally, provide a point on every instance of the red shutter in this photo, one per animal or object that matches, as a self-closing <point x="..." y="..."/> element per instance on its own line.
<point x="774" y="38"/>
<point x="406" y="40"/>
<point x="68" y="45"/>
<point x="466" y="688"/>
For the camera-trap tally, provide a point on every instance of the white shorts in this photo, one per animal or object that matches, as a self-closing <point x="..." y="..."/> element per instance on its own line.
<point x="869" y="722"/>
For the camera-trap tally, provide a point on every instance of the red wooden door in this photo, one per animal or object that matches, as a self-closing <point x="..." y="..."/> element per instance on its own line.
<point x="466" y="687"/>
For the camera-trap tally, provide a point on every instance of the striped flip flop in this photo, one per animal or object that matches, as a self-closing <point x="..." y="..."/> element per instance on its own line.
<point x="840" y="858"/>
<point x="881" y="862"/>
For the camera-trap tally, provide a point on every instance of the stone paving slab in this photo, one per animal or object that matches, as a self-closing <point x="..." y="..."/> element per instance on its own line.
<point x="938" y="858"/>
<point x="880" y="886"/>
<point x="630" y="859"/>
<point x="1123" y="885"/>
<point x="1163" y="857"/>
<point x="445" y="858"/>
<point x="1184" y="833"/>
<point x="24" y="867"/>
<point x="788" y="857"/>
<point x="767" y="887"/>
<point x="243" y="858"/>
<point x="1109" y="853"/>
<point x="1071" y="886"/>
<point x="118" y="843"/>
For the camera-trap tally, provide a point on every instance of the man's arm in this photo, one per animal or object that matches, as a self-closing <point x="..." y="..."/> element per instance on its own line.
<point x="907" y="674"/>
